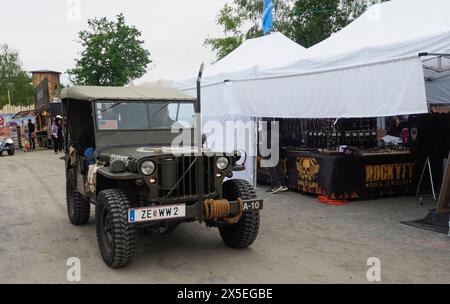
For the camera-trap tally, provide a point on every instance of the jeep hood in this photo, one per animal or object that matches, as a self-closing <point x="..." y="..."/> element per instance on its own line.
<point x="138" y="152"/>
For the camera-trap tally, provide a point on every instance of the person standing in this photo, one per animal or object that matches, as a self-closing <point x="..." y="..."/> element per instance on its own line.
<point x="277" y="179"/>
<point x="60" y="133"/>
<point x="277" y="176"/>
<point x="56" y="133"/>
<point x="31" y="130"/>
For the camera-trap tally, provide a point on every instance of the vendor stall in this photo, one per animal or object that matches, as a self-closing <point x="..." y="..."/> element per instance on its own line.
<point x="47" y="103"/>
<point x="375" y="67"/>
<point x="344" y="159"/>
<point x="46" y="112"/>
<point x="366" y="169"/>
<point x="43" y="118"/>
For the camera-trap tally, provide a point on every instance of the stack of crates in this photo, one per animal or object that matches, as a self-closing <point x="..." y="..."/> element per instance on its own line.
<point x="15" y="137"/>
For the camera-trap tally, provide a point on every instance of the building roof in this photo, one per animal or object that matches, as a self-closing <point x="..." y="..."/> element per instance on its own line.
<point x="45" y="72"/>
<point x="91" y="93"/>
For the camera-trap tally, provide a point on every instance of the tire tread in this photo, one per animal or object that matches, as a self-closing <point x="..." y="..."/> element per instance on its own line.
<point x="244" y="233"/>
<point x="82" y="208"/>
<point x="124" y="234"/>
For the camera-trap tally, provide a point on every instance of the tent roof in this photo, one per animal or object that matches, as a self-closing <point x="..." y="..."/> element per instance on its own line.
<point x="390" y="23"/>
<point x="268" y="50"/>
<point x="248" y="59"/>
<point x="91" y="93"/>
<point x="397" y="29"/>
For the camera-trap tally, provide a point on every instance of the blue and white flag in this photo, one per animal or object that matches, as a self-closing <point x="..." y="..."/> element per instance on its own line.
<point x="267" y="20"/>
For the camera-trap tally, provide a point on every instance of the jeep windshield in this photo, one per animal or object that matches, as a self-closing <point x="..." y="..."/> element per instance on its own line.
<point x="131" y="115"/>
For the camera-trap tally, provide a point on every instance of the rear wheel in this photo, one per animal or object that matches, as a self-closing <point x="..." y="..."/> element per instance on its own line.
<point x="115" y="236"/>
<point x="78" y="208"/>
<point x="244" y="233"/>
<point x="11" y="150"/>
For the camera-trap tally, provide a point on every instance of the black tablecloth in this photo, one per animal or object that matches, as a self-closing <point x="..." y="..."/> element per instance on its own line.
<point x="340" y="176"/>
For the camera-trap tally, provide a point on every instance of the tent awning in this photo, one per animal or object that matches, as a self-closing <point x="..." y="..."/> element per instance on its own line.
<point x="370" y="68"/>
<point x="24" y="114"/>
<point x="350" y="92"/>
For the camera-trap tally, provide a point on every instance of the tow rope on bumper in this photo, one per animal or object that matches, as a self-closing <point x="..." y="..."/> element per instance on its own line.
<point x="215" y="209"/>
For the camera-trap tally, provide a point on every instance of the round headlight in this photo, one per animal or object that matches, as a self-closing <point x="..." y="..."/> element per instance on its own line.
<point x="148" y="167"/>
<point x="222" y="163"/>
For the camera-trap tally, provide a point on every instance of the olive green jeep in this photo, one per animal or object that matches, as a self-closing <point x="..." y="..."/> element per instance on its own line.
<point x="120" y="158"/>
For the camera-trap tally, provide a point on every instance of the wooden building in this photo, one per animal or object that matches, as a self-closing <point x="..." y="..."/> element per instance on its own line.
<point x="48" y="87"/>
<point x="53" y="79"/>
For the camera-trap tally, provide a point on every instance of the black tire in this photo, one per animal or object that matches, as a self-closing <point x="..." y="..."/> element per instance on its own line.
<point x="244" y="233"/>
<point x="11" y="150"/>
<point x="115" y="236"/>
<point x="78" y="209"/>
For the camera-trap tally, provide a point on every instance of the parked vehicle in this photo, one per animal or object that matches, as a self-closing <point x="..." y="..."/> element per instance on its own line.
<point x="7" y="145"/>
<point x="137" y="180"/>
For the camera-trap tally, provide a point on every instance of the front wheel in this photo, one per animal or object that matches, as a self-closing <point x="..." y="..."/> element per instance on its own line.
<point x="115" y="236"/>
<point x="244" y="233"/>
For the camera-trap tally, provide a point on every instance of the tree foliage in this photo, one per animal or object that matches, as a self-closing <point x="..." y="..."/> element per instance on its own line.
<point x="307" y="22"/>
<point x="241" y="20"/>
<point x="314" y="20"/>
<point x="14" y="79"/>
<point x="113" y="54"/>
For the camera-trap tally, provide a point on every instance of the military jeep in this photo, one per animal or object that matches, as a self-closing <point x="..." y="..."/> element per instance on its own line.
<point x="120" y="158"/>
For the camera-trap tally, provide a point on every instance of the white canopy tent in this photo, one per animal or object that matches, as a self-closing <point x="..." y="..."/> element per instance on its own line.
<point x="244" y="62"/>
<point x="371" y="68"/>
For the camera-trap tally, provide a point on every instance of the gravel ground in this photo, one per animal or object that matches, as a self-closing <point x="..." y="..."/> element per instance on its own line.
<point x="300" y="241"/>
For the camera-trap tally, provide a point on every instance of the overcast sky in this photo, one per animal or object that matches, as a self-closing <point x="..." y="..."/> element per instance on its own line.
<point x="44" y="31"/>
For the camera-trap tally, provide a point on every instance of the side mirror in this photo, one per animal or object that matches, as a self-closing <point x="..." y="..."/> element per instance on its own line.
<point x="204" y="139"/>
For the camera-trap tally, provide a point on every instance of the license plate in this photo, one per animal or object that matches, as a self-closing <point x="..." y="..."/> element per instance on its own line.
<point x="157" y="213"/>
<point x="253" y="205"/>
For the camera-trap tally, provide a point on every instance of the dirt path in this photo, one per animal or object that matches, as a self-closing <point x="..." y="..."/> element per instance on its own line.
<point x="301" y="240"/>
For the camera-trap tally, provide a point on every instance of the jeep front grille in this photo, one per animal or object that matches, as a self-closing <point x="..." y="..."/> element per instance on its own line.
<point x="187" y="187"/>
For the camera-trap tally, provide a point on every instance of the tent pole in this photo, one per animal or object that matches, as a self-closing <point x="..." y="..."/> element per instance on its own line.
<point x="199" y="143"/>
<point x="255" y="150"/>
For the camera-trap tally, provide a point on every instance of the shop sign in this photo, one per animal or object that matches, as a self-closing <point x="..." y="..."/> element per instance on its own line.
<point x="389" y="175"/>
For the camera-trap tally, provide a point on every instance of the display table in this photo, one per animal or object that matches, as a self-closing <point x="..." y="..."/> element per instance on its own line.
<point x="41" y="139"/>
<point x="339" y="176"/>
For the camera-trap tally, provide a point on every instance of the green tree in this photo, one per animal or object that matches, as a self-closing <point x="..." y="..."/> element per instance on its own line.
<point x="14" y="79"/>
<point x="113" y="54"/>
<point x="315" y="20"/>
<point x="242" y="20"/>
